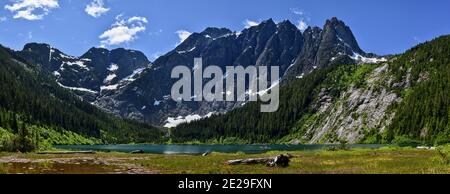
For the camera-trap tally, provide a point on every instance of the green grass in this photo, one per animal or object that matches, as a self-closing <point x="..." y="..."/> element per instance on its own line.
<point x="321" y="162"/>
<point x="357" y="161"/>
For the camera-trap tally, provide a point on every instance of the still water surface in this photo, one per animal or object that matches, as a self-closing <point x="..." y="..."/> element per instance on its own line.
<point x="199" y="149"/>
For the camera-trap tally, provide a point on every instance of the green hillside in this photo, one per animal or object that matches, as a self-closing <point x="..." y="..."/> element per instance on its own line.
<point x="412" y="90"/>
<point x="36" y="112"/>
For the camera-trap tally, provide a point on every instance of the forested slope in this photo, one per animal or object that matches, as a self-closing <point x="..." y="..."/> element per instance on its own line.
<point x="34" y="109"/>
<point x="404" y="99"/>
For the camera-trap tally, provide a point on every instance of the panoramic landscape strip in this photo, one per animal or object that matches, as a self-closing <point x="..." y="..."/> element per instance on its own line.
<point x="292" y="87"/>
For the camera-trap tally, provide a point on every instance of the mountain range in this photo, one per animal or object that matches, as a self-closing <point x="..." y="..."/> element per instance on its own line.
<point x="35" y="111"/>
<point x="330" y="88"/>
<point x="403" y="100"/>
<point x="125" y="83"/>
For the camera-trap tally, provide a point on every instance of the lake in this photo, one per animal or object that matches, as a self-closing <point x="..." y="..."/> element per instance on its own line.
<point x="200" y="149"/>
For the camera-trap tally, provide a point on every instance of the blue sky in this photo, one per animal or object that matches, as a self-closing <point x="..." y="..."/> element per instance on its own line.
<point x="381" y="26"/>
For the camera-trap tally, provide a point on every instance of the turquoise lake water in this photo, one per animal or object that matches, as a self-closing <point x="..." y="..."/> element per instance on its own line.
<point x="199" y="149"/>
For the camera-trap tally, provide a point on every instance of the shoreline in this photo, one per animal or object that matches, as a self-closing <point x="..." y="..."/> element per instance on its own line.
<point x="208" y="148"/>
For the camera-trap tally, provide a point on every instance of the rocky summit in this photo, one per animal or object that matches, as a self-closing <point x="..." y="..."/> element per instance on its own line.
<point x="124" y="82"/>
<point x="96" y="72"/>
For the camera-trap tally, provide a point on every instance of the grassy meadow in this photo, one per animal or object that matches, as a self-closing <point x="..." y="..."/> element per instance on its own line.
<point x="357" y="161"/>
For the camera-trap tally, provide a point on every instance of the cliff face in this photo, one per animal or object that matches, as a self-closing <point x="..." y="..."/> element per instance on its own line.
<point x="356" y="112"/>
<point x="404" y="98"/>
<point x="91" y="75"/>
<point x="125" y="83"/>
<point x="268" y="44"/>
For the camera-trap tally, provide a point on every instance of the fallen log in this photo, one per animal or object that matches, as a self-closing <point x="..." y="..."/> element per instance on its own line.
<point x="68" y="152"/>
<point x="280" y="160"/>
<point x="137" y="152"/>
<point x="206" y="153"/>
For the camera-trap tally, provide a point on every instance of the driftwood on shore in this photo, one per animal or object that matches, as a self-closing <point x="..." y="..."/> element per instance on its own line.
<point x="137" y="152"/>
<point x="280" y="160"/>
<point x="68" y="152"/>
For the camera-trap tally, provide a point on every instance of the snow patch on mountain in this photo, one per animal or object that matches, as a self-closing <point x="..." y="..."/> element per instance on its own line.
<point x="359" y="57"/>
<point x="113" y="67"/>
<point x="50" y="54"/>
<point x="133" y="77"/>
<point x="109" y="87"/>
<point x="225" y="35"/>
<point x="76" y="63"/>
<point x="172" y="122"/>
<point x="109" y="78"/>
<point x="78" y="89"/>
<point x="186" y="51"/>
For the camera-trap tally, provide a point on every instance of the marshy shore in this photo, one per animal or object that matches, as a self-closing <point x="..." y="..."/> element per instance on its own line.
<point x="355" y="161"/>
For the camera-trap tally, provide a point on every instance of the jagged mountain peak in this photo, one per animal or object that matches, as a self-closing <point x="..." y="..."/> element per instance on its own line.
<point x="44" y="55"/>
<point x="268" y="22"/>
<point x="285" y="23"/>
<point x="123" y="81"/>
<point x="97" y="50"/>
<point x="312" y="29"/>
<point x="51" y="54"/>
<point x="122" y="52"/>
<point x="36" y="46"/>
<point x="334" y="21"/>
<point x="215" y="32"/>
<point x="265" y="25"/>
<point x="342" y="33"/>
<point x="105" y="52"/>
<point x="96" y="71"/>
<point x="40" y="49"/>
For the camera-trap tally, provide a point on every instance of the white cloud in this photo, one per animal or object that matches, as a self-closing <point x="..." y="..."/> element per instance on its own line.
<point x="96" y="8"/>
<point x="249" y="23"/>
<point x="302" y="18"/>
<point x="302" y="25"/>
<point x="32" y="9"/>
<point x="183" y="35"/>
<point x="137" y="19"/>
<point x="123" y="31"/>
<point x="297" y="11"/>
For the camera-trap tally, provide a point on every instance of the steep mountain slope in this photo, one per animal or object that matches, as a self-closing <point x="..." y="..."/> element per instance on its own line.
<point x="32" y="103"/>
<point x="405" y="98"/>
<point x="125" y="83"/>
<point x="96" y="72"/>
<point x="268" y="44"/>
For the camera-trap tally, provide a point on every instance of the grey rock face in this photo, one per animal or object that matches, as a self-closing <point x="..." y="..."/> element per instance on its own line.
<point x="96" y="72"/>
<point x="124" y="82"/>
<point x="356" y="111"/>
<point x="268" y="44"/>
<point x="333" y="44"/>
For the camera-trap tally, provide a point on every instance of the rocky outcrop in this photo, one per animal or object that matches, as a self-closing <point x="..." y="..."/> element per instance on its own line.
<point x="268" y="44"/>
<point x="125" y="83"/>
<point x="355" y="112"/>
<point x="95" y="73"/>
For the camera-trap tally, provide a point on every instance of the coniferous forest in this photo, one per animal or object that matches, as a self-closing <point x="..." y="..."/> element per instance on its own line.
<point x="422" y="115"/>
<point x="35" y="112"/>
